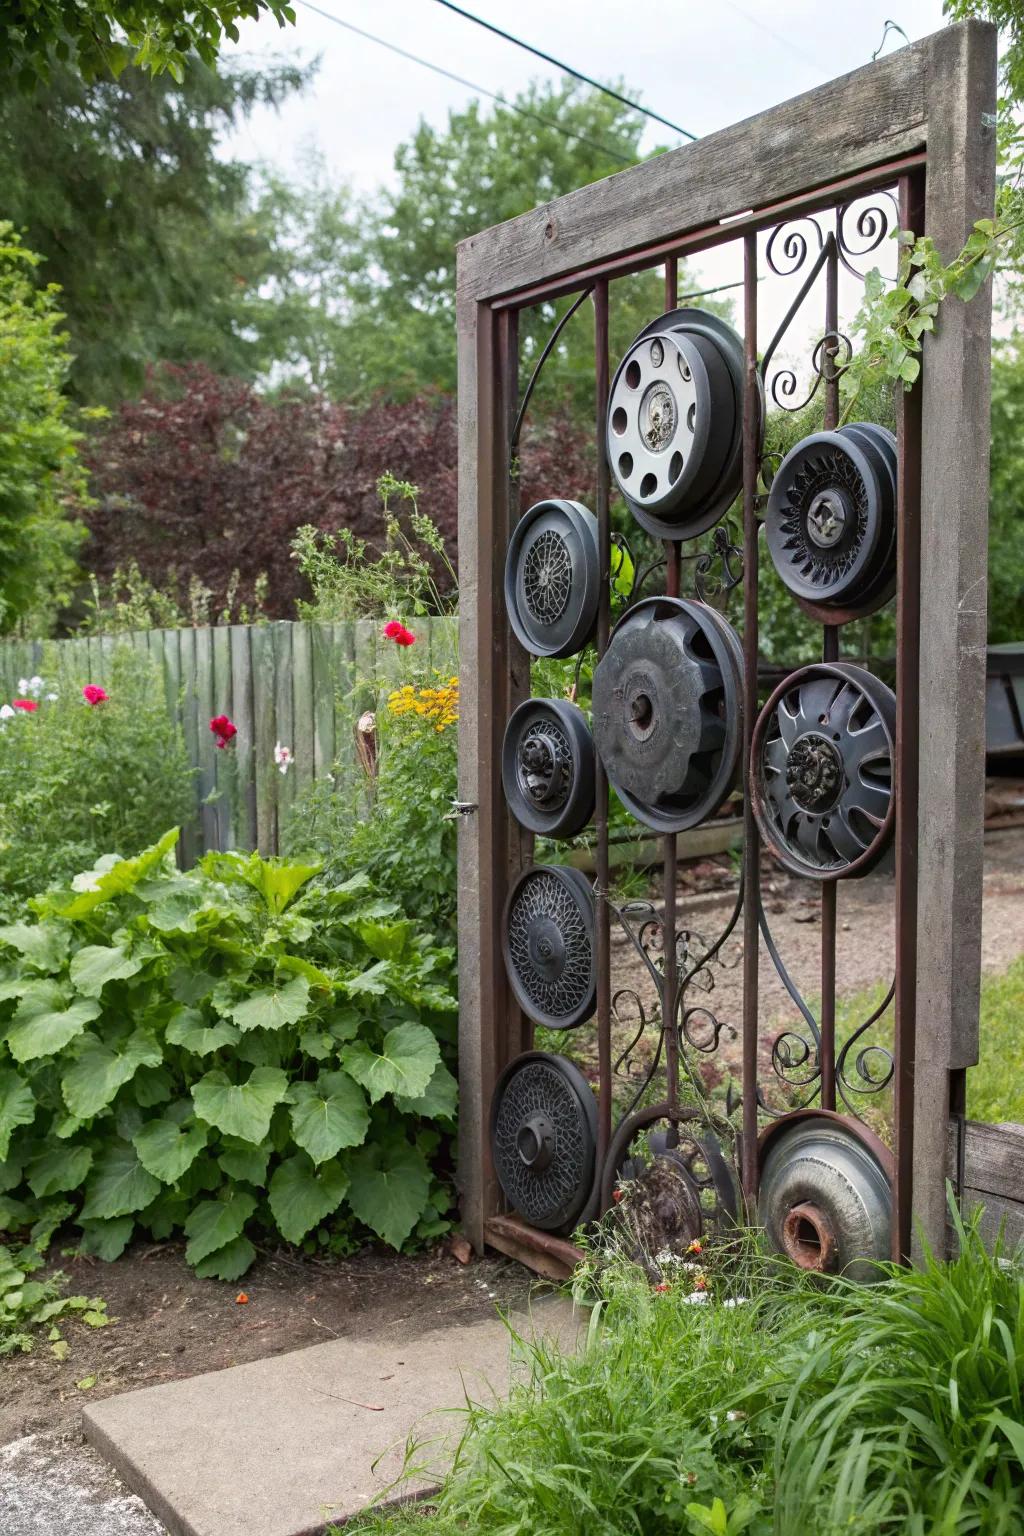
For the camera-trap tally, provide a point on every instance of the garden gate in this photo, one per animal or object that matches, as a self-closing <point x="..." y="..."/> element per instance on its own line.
<point x="832" y="766"/>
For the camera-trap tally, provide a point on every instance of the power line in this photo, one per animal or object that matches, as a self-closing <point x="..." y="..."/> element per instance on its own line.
<point x="413" y="58"/>
<point x="785" y="42"/>
<point x="565" y="68"/>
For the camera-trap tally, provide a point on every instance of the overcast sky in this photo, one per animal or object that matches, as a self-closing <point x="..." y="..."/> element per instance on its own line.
<point x="701" y="65"/>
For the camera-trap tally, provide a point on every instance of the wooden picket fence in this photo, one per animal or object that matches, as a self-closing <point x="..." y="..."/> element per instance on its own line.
<point x="302" y="685"/>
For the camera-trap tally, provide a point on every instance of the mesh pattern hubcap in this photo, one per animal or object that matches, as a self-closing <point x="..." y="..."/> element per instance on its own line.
<point x="547" y="577"/>
<point x="545" y="766"/>
<point x="543" y="1145"/>
<point x="549" y="945"/>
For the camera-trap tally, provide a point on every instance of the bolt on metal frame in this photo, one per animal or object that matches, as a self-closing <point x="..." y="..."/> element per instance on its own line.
<point x="919" y="124"/>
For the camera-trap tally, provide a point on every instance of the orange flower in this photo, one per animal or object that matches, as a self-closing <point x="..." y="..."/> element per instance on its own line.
<point x="664" y="1286"/>
<point x="241" y="1299"/>
<point x="696" y="1246"/>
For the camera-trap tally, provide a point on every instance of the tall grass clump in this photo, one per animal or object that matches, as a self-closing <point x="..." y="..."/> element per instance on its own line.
<point x="775" y="1406"/>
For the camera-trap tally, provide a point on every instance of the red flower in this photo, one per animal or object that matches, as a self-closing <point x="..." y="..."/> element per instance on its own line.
<point x="398" y="633"/>
<point x="663" y="1287"/>
<point x="223" y="729"/>
<point x="92" y="694"/>
<point x="28" y="705"/>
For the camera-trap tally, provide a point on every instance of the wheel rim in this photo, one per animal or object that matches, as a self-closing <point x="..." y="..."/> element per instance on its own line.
<point x="552" y="578"/>
<point x="547" y="767"/>
<point x="822" y="762"/>
<point x="549" y="946"/>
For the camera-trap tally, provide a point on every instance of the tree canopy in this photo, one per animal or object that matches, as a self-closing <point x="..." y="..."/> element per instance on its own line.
<point x="160" y="245"/>
<point x="101" y="39"/>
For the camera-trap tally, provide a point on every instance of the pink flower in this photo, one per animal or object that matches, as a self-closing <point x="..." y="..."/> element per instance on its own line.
<point x="223" y="729"/>
<point x="28" y="705"/>
<point x="92" y="694"/>
<point x="398" y="633"/>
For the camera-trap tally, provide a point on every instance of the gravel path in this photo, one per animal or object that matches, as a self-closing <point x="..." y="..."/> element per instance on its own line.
<point x="52" y="1484"/>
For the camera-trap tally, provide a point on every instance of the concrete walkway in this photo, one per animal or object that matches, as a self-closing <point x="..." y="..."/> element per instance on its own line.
<point x="53" y="1485"/>
<point x="282" y="1446"/>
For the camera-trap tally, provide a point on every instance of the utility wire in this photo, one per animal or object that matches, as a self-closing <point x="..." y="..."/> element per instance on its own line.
<point x="549" y="122"/>
<point x="565" y="68"/>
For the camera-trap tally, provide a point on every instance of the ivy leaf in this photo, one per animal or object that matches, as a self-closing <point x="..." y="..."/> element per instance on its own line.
<point x="271" y="1007"/>
<point x="17" y="1106"/>
<point x="93" y="1080"/>
<point x="187" y="1029"/>
<point x="96" y="964"/>
<point x="42" y="945"/>
<point x="166" y="1151"/>
<point x="438" y="1101"/>
<point x="239" y="1160"/>
<point x="229" y="1262"/>
<point x="118" y="1184"/>
<point x="43" y="1026"/>
<point x="107" y="1239"/>
<point x="301" y="1196"/>
<point x="240" y="1109"/>
<point x="405" y="1065"/>
<point x="389" y="1188"/>
<point x="214" y="1223"/>
<point x="328" y="1116"/>
<point x="58" y="1169"/>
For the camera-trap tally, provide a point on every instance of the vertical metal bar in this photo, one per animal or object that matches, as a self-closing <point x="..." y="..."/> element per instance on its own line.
<point x="604" y="1025"/>
<point x="670" y="868"/>
<point x="751" y="844"/>
<point x="908" y="661"/>
<point x="670" y="863"/>
<point x="829" y="652"/>
<point x="671" y="283"/>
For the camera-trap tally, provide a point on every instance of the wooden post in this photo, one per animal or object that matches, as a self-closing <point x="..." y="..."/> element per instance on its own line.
<point x="954" y="541"/>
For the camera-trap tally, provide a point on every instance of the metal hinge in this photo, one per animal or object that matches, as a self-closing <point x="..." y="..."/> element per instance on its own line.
<point x="460" y="808"/>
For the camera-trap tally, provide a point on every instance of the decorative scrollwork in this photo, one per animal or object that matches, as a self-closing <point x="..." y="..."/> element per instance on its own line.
<point x="829" y="360"/>
<point x="795" y="245"/>
<point x="873" y="1065"/>
<point x="725" y="554"/>
<point x="871" y="226"/>
<point x="628" y="1011"/>
<point x="702" y="1030"/>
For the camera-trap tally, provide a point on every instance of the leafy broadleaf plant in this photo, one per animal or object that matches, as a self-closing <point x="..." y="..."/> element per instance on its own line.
<point x="241" y="1051"/>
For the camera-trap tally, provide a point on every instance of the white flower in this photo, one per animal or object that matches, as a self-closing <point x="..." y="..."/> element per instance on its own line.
<point x="735" y="1301"/>
<point x="282" y="757"/>
<point x="30" y="685"/>
<point x="6" y="712"/>
<point x="52" y="697"/>
<point x="22" y="686"/>
<point x="696" y="1297"/>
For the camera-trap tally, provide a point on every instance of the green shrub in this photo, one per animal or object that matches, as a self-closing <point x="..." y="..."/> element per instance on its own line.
<point x="236" y="1049"/>
<point x="77" y="781"/>
<point x="397" y="825"/>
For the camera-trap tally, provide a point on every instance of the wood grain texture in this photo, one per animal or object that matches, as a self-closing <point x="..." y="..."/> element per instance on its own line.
<point x="993" y="1178"/>
<point x="874" y="114"/>
<point x="954" y="526"/>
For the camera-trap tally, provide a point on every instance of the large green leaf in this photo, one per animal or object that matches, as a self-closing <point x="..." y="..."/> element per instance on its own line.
<point x="389" y="1187"/>
<point x="43" y="1025"/>
<point x="107" y="1239"/>
<point x="188" y="1030"/>
<point x="42" y="945"/>
<point x="373" y="982"/>
<point x="165" y="1150"/>
<point x="240" y="1109"/>
<point x="229" y="1262"/>
<point x="329" y="1115"/>
<point x="215" y="1222"/>
<point x="387" y="941"/>
<point x="57" y="1169"/>
<point x="17" y="1106"/>
<point x="120" y="877"/>
<point x="240" y="1160"/>
<point x="96" y="964"/>
<point x="277" y="880"/>
<point x="438" y="1101"/>
<point x="405" y="1065"/>
<point x="300" y="1195"/>
<point x="93" y="1079"/>
<point x="118" y="1184"/>
<point x="273" y="1006"/>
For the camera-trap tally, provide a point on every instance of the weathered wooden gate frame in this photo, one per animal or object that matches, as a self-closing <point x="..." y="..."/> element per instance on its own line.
<point x="922" y="118"/>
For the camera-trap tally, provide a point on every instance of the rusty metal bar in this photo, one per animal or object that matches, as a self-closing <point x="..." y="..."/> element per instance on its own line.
<point x="603" y="915"/>
<point x="908" y="660"/>
<point x="671" y="283"/>
<point x="719" y="233"/>
<point x="829" y="652"/>
<point x="751" y="842"/>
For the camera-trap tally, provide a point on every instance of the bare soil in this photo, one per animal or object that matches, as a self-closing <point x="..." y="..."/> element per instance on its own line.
<point x="169" y="1324"/>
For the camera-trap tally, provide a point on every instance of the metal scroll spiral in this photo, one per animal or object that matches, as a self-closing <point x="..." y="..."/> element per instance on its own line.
<point x="830" y="359"/>
<point x="872" y="224"/>
<point x="717" y="567"/>
<point x="865" y="1068"/>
